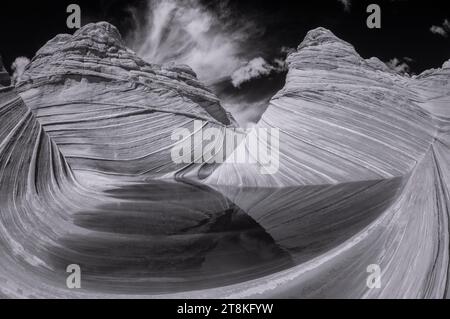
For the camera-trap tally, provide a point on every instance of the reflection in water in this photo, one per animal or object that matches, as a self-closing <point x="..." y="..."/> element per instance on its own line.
<point x="159" y="237"/>
<point x="309" y="220"/>
<point x="163" y="237"/>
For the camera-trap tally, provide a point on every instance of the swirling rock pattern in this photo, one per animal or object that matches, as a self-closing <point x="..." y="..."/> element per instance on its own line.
<point x="96" y="99"/>
<point x="130" y="237"/>
<point x="363" y="179"/>
<point x="341" y="119"/>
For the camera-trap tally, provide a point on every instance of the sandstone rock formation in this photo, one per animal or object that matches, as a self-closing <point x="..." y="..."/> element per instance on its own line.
<point x="107" y="109"/>
<point x="364" y="179"/>
<point x="125" y="234"/>
<point x="341" y="119"/>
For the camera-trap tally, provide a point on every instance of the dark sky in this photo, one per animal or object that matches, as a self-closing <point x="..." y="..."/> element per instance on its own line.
<point x="405" y="27"/>
<point x="26" y="26"/>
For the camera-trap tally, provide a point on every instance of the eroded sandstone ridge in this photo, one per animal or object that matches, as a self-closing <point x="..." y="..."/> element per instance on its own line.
<point x="343" y="118"/>
<point x="108" y="110"/>
<point x="364" y="179"/>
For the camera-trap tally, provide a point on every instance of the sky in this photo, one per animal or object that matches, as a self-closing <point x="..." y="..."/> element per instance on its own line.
<point x="238" y="47"/>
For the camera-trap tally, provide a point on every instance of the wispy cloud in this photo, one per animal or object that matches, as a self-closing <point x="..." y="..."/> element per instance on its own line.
<point x="214" y="43"/>
<point x="220" y="44"/>
<point x="256" y="68"/>
<point x="399" y="65"/>
<point x="442" y="30"/>
<point x="18" y="67"/>
<point x="347" y="4"/>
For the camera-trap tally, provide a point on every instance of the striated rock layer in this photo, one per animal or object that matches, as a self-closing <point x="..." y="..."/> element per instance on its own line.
<point x="130" y="238"/>
<point x="107" y="109"/>
<point x="341" y="119"/>
<point x="364" y="179"/>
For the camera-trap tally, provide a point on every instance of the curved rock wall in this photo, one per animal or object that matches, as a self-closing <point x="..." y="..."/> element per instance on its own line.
<point x="125" y="235"/>
<point x="107" y="109"/>
<point x="341" y="119"/>
<point x="363" y="177"/>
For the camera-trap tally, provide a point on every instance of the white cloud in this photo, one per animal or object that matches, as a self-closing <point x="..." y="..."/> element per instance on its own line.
<point x="18" y="67"/>
<point x="213" y="44"/>
<point x="408" y="59"/>
<point x="347" y="4"/>
<point x="443" y="30"/>
<point x="399" y="66"/>
<point x="446" y="24"/>
<point x="218" y="43"/>
<point x="256" y="68"/>
<point x="253" y="69"/>
<point x="438" y="30"/>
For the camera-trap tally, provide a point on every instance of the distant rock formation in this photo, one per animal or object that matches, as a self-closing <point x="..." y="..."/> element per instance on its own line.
<point x="4" y="77"/>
